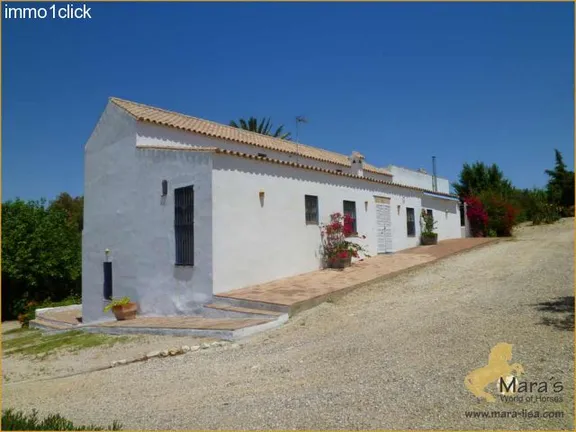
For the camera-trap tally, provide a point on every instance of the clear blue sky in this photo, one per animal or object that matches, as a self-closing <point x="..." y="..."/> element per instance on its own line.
<point x="399" y="82"/>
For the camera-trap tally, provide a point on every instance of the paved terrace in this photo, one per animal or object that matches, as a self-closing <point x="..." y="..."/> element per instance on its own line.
<point x="292" y="294"/>
<point x="304" y="291"/>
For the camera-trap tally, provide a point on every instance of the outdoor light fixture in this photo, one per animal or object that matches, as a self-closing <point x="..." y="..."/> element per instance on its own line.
<point x="164" y="188"/>
<point x="366" y="205"/>
<point x="261" y="195"/>
<point x="399" y="208"/>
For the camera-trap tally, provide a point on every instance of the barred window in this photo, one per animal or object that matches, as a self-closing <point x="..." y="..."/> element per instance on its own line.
<point x="410" y="222"/>
<point x="184" y="225"/>
<point x="311" y="203"/>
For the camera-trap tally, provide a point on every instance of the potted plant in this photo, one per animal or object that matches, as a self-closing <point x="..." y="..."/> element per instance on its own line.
<point x="123" y="308"/>
<point x="337" y="251"/>
<point x="428" y="236"/>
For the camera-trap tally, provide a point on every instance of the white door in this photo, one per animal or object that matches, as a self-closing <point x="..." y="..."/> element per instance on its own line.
<point x="383" y="225"/>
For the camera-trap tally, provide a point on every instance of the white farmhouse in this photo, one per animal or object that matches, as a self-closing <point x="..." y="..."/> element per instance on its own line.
<point x="190" y="208"/>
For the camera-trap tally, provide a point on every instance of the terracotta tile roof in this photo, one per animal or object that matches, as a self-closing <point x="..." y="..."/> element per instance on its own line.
<point x="163" y="117"/>
<point x="282" y="162"/>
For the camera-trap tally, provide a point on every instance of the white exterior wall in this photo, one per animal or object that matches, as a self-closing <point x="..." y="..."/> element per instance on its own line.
<point x="446" y="214"/>
<point x="238" y="241"/>
<point x="415" y="178"/>
<point x="256" y="242"/>
<point x="124" y="212"/>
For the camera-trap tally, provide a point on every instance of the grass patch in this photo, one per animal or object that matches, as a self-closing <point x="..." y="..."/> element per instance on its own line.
<point x="15" y="331"/>
<point x="32" y="342"/>
<point x="18" y="420"/>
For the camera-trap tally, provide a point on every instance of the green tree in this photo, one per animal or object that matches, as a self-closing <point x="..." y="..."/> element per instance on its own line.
<point x="41" y="255"/>
<point x="72" y="206"/>
<point x="263" y="127"/>
<point x="560" y="185"/>
<point x="479" y="177"/>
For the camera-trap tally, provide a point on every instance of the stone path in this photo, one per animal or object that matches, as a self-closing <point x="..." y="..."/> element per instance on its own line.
<point x="306" y="290"/>
<point x="296" y="293"/>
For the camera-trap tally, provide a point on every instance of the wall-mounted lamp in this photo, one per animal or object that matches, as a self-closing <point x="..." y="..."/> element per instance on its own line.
<point x="164" y="188"/>
<point x="261" y="196"/>
<point x="398" y="206"/>
<point x="366" y="205"/>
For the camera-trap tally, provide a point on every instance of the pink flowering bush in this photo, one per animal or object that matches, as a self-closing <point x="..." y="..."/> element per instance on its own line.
<point x="477" y="216"/>
<point x="334" y="244"/>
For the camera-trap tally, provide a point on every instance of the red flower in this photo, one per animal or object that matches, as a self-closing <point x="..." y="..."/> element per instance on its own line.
<point x="348" y="225"/>
<point x="477" y="216"/>
<point x="344" y="254"/>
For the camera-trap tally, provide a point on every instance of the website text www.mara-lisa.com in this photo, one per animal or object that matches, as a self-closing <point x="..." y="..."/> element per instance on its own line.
<point x="514" y="414"/>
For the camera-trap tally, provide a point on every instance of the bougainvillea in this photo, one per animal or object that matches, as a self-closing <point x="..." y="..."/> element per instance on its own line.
<point x="477" y="216"/>
<point x="501" y="214"/>
<point x="334" y="234"/>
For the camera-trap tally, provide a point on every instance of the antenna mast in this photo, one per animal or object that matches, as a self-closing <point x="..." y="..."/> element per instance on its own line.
<point x="299" y="119"/>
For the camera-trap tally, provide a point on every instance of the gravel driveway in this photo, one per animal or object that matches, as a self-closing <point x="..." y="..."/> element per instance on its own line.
<point x="392" y="355"/>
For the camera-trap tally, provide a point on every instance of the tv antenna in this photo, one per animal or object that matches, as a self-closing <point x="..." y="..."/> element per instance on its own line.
<point x="299" y="119"/>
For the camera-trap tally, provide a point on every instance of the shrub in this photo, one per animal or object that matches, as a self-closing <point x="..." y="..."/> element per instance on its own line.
<point x="17" y="420"/>
<point x="540" y="210"/>
<point x="334" y="243"/>
<point x="477" y="216"/>
<point x="501" y="214"/>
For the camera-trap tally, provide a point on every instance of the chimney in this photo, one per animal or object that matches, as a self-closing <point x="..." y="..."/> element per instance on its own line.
<point x="357" y="164"/>
<point x="434" y="178"/>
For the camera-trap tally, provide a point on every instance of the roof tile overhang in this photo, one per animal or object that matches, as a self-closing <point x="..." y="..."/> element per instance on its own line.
<point x="145" y="113"/>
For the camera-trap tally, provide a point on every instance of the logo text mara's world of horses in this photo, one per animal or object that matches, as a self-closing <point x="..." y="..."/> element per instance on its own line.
<point x="504" y="377"/>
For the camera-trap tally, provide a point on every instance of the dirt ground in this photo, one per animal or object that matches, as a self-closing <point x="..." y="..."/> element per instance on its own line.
<point x="63" y="362"/>
<point x="392" y="355"/>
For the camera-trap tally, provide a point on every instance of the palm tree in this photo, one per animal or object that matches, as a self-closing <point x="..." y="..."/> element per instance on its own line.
<point x="263" y="127"/>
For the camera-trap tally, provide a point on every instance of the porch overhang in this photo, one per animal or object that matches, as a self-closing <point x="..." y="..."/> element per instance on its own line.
<point x="445" y="197"/>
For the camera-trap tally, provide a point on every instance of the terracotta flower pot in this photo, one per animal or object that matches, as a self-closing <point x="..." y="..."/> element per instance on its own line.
<point x="340" y="263"/>
<point x="429" y="240"/>
<point x="125" y="312"/>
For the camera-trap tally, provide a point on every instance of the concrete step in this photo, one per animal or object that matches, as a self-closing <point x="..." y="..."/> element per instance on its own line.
<point x="220" y="328"/>
<point x="49" y="326"/>
<point x="223" y="310"/>
<point x="252" y="304"/>
<point x="55" y="321"/>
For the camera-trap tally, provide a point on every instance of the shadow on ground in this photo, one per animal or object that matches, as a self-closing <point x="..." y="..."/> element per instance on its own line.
<point x="564" y="306"/>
